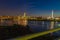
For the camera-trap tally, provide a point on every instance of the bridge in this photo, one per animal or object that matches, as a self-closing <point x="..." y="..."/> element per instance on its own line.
<point x="30" y="36"/>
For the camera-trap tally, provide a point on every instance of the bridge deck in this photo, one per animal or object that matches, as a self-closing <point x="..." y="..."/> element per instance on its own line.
<point x="37" y="34"/>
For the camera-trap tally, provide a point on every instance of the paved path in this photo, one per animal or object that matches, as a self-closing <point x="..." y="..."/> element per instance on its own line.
<point x="36" y="34"/>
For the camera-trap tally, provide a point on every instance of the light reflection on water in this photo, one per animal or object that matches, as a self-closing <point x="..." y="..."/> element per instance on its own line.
<point x="38" y="26"/>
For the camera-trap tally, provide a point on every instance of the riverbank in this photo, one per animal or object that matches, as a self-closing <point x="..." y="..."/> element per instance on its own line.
<point x="43" y="20"/>
<point x="45" y="37"/>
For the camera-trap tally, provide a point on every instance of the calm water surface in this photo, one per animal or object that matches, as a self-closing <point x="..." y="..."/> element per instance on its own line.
<point x="39" y="26"/>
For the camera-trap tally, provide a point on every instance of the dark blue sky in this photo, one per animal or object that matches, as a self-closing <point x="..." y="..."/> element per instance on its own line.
<point x="31" y="7"/>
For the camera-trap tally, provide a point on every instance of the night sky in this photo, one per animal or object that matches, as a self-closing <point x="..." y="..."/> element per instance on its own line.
<point x="31" y="7"/>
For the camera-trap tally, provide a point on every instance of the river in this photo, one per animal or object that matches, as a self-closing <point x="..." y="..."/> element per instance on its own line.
<point x="39" y="26"/>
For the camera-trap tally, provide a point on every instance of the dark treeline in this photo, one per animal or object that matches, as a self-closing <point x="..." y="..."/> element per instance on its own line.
<point x="7" y="32"/>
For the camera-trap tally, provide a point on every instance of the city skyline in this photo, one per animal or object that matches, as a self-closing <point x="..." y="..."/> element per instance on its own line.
<point x="31" y="7"/>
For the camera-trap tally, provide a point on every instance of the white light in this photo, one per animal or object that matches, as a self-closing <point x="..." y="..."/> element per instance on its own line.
<point x="52" y="14"/>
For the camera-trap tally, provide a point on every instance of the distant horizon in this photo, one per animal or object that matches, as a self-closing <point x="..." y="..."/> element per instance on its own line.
<point x="37" y="14"/>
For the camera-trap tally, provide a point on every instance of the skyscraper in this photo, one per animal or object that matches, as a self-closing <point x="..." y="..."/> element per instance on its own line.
<point x="24" y="14"/>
